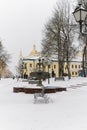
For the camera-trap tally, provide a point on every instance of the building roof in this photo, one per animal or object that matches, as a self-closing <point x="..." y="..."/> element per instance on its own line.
<point x="35" y="55"/>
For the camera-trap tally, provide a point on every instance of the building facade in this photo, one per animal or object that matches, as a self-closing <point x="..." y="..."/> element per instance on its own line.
<point x="30" y="64"/>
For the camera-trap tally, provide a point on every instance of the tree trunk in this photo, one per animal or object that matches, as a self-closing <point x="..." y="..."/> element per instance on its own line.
<point x="68" y="66"/>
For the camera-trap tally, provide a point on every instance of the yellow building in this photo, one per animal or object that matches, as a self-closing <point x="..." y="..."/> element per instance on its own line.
<point x="30" y="64"/>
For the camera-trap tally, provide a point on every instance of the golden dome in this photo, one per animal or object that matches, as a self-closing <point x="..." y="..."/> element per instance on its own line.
<point x="34" y="51"/>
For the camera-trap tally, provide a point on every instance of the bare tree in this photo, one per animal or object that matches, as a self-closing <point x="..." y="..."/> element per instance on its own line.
<point x="19" y="68"/>
<point x="58" y="38"/>
<point x="83" y="2"/>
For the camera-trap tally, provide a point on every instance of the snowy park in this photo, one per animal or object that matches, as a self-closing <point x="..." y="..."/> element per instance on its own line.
<point x="66" y="110"/>
<point x="59" y="30"/>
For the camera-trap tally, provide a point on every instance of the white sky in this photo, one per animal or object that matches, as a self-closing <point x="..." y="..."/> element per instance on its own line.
<point x="21" y="24"/>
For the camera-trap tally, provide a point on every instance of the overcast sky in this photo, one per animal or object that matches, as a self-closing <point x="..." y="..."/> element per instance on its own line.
<point x="21" y="25"/>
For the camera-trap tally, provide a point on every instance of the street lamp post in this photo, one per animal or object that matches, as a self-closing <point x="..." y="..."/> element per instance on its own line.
<point x="48" y="73"/>
<point x="40" y="65"/>
<point x="80" y="15"/>
<point x="22" y="76"/>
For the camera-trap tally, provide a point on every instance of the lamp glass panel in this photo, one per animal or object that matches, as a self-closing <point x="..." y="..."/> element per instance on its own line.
<point x="83" y="15"/>
<point x="80" y="15"/>
<point x="77" y="15"/>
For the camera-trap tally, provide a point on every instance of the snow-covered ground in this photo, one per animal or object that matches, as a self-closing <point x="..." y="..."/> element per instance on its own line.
<point x="66" y="111"/>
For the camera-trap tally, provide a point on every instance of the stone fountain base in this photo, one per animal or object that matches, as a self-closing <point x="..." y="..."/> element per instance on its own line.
<point x="38" y="90"/>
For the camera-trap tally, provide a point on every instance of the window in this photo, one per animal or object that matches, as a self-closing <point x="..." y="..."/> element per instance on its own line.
<point x="72" y="66"/>
<point x="48" y="66"/>
<point x="75" y="73"/>
<point x="54" y="66"/>
<point x="79" y="66"/>
<point x="75" y="66"/>
<point x="30" y="65"/>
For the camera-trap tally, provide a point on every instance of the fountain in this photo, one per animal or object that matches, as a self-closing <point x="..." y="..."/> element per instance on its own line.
<point x="41" y="75"/>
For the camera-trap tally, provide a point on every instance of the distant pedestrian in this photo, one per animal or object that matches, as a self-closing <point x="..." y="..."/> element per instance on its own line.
<point x="53" y="74"/>
<point x="13" y="77"/>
